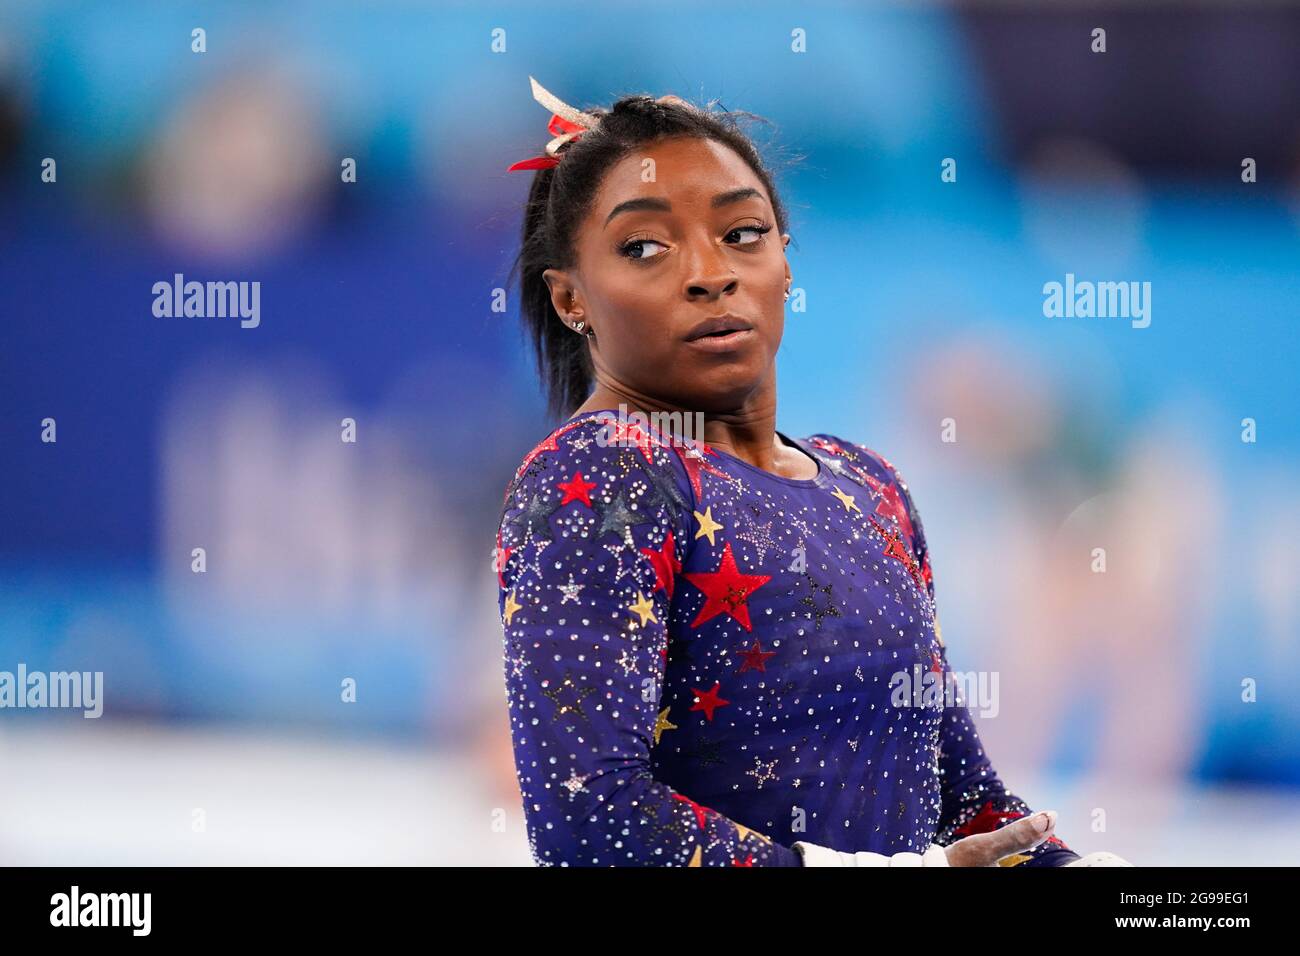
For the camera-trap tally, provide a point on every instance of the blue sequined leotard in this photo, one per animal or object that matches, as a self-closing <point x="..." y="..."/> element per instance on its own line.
<point x="703" y="659"/>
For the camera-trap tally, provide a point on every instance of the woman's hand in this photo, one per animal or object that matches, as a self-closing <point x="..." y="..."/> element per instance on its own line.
<point x="982" y="849"/>
<point x="985" y="849"/>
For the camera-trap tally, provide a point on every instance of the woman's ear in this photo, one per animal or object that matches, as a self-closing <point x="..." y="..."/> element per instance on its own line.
<point x="566" y="302"/>
<point x="562" y="295"/>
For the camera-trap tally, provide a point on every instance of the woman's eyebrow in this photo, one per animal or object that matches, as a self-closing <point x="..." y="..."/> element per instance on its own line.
<point x="662" y="205"/>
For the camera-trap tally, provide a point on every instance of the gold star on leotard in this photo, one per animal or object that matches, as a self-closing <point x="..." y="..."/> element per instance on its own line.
<point x="847" y="501"/>
<point x="511" y="606"/>
<point x="645" y="608"/>
<point x="707" y="525"/>
<point x="662" y="724"/>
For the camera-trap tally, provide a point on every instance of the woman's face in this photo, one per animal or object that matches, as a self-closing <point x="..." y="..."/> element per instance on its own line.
<point x="657" y="258"/>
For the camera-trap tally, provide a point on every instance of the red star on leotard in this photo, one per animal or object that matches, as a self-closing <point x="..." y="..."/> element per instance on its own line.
<point x="830" y="446"/>
<point x="708" y="701"/>
<point x="754" y="658"/>
<point x="699" y="810"/>
<point x="503" y="555"/>
<point x="987" y="820"/>
<point x="665" y="563"/>
<point x="894" y="549"/>
<point x="575" y="489"/>
<point x="727" y="590"/>
<point x="548" y="443"/>
<point x="891" y="502"/>
<point x="622" y="432"/>
<point x="694" y="463"/>
<point x="749" y="861"/>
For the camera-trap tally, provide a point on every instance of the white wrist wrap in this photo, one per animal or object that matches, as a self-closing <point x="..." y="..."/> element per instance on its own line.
<point x="814" y="855"/>
<point x="1100" y="858"/>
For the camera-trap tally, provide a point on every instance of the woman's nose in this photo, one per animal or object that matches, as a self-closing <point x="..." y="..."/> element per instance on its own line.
<point x="708" y="274"/>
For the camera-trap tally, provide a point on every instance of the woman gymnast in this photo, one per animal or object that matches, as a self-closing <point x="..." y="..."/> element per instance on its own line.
<point x="704" y="635"/>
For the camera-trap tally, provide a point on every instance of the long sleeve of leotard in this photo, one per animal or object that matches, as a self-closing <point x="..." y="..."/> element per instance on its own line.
<point x="588" y="549"/>
<point x="974" y="797"/>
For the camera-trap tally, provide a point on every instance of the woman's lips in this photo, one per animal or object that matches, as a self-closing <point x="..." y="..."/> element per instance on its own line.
<point x="726" y="342"/>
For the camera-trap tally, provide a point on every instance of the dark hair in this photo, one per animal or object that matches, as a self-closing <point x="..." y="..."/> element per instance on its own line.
<point x="560" y="197"/>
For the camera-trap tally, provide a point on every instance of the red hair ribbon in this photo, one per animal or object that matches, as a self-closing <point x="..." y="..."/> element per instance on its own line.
<point x="566" y="125"/>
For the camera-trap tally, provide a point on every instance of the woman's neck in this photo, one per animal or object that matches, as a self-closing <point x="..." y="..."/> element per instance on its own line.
<point x="748" y="433"/>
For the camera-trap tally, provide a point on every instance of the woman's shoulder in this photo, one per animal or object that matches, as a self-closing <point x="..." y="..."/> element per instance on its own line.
<point x="870" y="468"/>
<point x="859" y="458"/>
<point x="569" y="439"/>
<point x="593" y="452"/>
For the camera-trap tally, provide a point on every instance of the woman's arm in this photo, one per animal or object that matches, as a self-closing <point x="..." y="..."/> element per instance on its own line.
<point x="589" y="542"/>
<point x="974" y="798"/>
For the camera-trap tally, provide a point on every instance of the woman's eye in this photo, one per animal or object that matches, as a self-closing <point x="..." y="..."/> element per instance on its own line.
<point x="758" y="232"/>
<point x="639" y="244"/>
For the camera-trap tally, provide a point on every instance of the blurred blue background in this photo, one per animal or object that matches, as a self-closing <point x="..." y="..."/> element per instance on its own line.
<point x="372" y="560"/>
